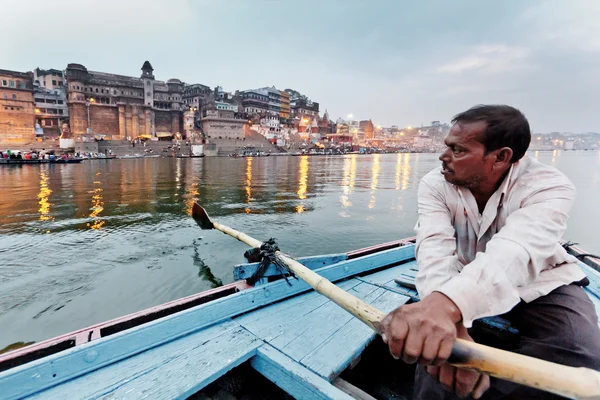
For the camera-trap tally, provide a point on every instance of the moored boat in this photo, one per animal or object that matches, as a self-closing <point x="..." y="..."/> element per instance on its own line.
<point x="238" y="338"/>
<point x="189" y="155"/>
<point x="15" y="161"/>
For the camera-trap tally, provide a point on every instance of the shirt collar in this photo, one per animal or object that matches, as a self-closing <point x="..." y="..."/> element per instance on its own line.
<point x="506" y="183"/>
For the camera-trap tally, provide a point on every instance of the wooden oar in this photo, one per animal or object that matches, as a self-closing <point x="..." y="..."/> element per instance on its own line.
<point x="572" y="382"/>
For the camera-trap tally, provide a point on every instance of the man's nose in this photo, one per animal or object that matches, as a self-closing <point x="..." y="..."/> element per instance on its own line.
<point x="444" y="155"/>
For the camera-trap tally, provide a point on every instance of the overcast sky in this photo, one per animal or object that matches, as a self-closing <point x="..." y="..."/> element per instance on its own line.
<point x="396" y="62"/>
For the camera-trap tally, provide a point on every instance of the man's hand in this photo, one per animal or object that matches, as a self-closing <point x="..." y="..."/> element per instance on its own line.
<point x="462" y="381"/>
<point x="423" y="331"/>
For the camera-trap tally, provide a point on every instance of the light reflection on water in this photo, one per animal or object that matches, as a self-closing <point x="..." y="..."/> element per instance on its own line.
<point x="120" y="237"/>
<point x="43" y="196"/>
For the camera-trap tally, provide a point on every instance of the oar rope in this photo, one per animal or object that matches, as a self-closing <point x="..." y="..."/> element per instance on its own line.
<point x="266" y="255"/>
<point x="571" y="382"/>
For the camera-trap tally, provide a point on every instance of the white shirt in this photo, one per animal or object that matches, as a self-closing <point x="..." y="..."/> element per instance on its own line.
<point x="486" y="265"/>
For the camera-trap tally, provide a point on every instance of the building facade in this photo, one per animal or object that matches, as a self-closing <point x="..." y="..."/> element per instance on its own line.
<point x="285" y="110"/>
<point x="123" y="107"/>
<point x="194" y="95"/>
<point x="255" y="101"/>
<point x="48" y="78"/>
<point x="303" y="107"/>
<point x="366" y="130"/>
<point x="50" y="97"/>
<point x="51" y="110"/>
<point x="17" y="116"/>
<point x="222" y="124"/>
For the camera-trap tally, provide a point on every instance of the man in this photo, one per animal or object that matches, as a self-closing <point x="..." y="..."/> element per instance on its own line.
<point x="490" y="222"/>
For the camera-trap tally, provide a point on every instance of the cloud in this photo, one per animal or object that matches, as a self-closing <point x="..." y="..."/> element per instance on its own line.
<point x="398" y="63"/>
<point x="491" y="59"/>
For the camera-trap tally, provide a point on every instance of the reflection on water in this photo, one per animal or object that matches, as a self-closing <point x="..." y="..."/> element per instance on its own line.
<point x="15" y="346"/>
<point x="204" y="271"/>
<point x="348" y="180"/>
<point x="43" y="196"/>
<point x="302" y="182"/>
<point x="97" y="204"/>
<point x="374" y="179"/>
<point x="120" y="236"/>
<point x="406" y="170"/>
<point x="248" y="183"/>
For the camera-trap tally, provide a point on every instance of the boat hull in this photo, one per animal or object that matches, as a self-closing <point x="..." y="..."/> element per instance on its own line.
<point x="286" y="332"/>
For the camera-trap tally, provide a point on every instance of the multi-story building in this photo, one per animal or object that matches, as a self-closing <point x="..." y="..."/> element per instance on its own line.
<point x="17" y="119"/>
<point x="303" y="107"/>
<point x="48" y="78"/>
<point x="123" y="107"/>
<point x="277" y="102"/>
<point x="194" y="95"/>
<point x="285" y="110"/>
<point x="50" y="96"/>
<point x="51" y="110"/>
<point x="222" y="124"/>
<point x="255" y="101"/>
<point x="221" y="105"/>
<point x="366" y="130"/>
<point x="274" y="100"/>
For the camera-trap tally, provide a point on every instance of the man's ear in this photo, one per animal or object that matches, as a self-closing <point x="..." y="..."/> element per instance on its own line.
<point x="504" y="155"/>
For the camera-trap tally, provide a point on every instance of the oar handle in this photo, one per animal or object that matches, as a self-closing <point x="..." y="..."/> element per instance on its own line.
<point x="575" y="383"/>
<point x="571" y="382"/>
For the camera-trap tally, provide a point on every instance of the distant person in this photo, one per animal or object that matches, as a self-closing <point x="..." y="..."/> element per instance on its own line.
<point x="488" y="232"/>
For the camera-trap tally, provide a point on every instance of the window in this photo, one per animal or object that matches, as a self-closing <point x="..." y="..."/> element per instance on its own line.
<point x="4" y="82"/>
<point x="60" y="112"/>
<point x="40" y="100"/>
<point x="96" y="90"/>
<point x="11" y="83"/>
<point x="54" y="82"/>
<point x="59" y="101"/>
<point x="14" y="96"/>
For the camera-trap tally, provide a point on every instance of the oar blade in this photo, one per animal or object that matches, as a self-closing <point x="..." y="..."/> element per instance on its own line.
<point x="201" y="217"/>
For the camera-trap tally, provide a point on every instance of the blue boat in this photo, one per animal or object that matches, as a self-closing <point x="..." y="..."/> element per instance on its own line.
<point x="275" y="339"/>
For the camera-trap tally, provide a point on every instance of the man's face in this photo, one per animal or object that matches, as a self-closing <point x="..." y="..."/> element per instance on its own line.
<point x="464" y="162"/>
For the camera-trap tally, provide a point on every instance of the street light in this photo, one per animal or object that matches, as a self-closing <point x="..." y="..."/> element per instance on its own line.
<point x="87" y="103"/>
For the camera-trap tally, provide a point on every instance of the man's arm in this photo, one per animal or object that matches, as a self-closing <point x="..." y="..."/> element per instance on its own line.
<point x="514" y="256"/>
<point x="436" y="243"/>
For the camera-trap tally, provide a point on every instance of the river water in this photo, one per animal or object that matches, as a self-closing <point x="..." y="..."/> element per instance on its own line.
<point x="81" y="244"/>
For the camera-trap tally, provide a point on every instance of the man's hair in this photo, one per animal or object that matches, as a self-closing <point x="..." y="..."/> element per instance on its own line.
<point x="506" y="127"/>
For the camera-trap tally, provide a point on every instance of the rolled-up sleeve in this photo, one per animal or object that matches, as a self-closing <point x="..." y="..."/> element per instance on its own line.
<point x="514" y="256"/>
<point x="436" y="243"/>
